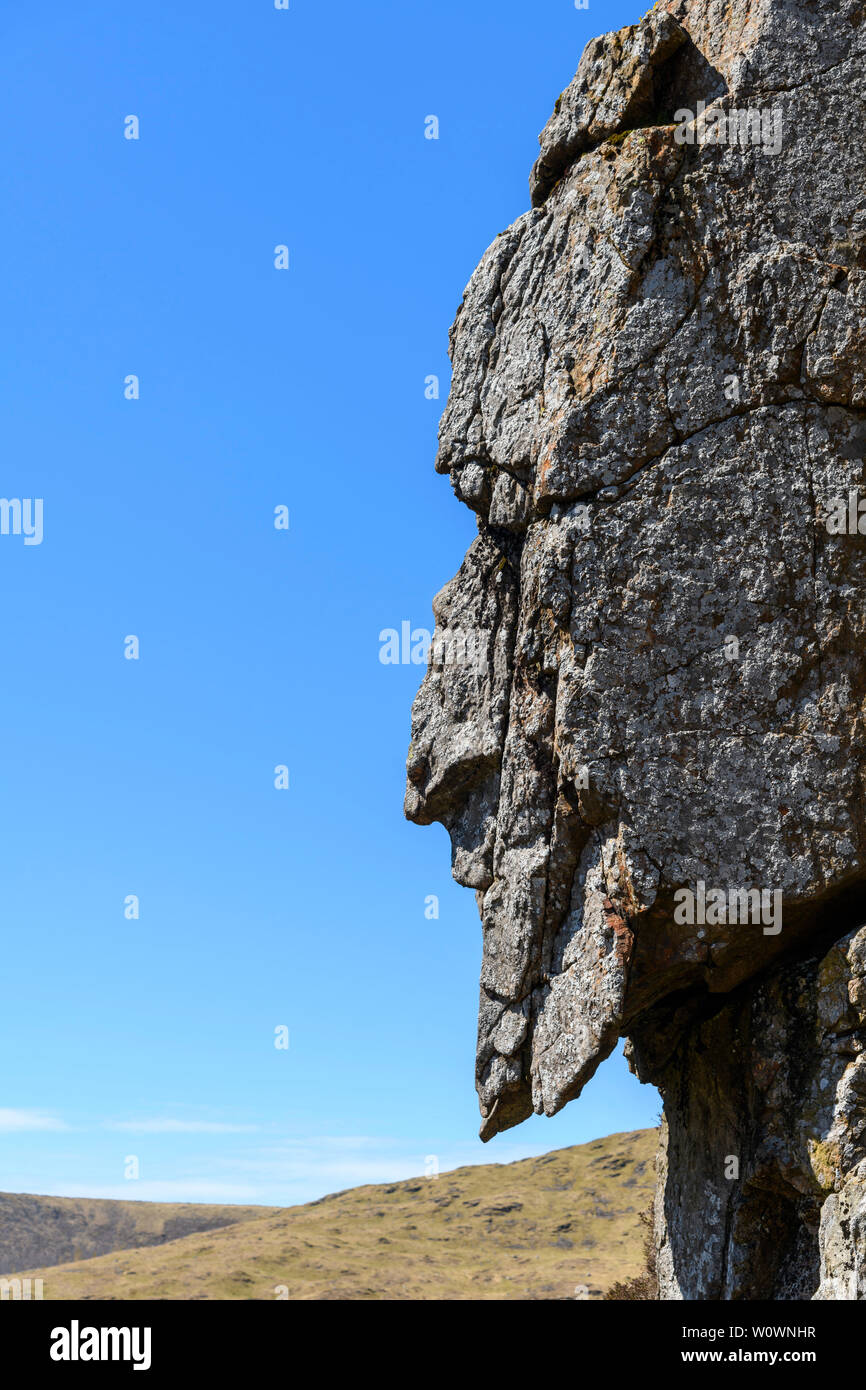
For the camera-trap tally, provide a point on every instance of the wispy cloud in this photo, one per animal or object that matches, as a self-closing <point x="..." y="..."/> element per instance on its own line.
<point x="272" y="1169"/>
<point x="166" y="1125"/>
<point x="191" y="1189"/>
<point x="299" y="1170"/>
<point x="27" y="1121"/>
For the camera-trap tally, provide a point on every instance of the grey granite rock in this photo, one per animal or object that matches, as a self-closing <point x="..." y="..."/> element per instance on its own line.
<point x="762" y="1182"/>
<point x="657" y="413"/>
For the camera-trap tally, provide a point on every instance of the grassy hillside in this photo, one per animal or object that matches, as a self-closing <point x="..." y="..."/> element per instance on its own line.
<point x="533" y="1229"/>
<point x="51" y="1230"/>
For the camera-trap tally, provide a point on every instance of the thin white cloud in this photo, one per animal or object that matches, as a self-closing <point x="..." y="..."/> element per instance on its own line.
<point x="197" y="1190"/>
<point x="276" y="1170"/>
<point x="299" y="1170"/>
<point x="27" y="1122"/>
<point x="165" y="1125"/>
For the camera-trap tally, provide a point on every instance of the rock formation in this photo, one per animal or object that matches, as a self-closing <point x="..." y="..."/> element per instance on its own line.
<point x="650" y="755"/>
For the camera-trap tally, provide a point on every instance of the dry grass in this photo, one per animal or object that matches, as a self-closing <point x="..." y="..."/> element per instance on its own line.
<point x="536" y="1229"/>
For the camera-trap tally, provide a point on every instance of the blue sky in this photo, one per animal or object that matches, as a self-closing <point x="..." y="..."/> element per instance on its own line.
<point x="259" y="907"/>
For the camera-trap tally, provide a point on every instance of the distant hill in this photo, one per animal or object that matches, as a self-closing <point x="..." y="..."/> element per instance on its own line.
<point x="536" y="1229"/>
<point x="52" y="1230"/>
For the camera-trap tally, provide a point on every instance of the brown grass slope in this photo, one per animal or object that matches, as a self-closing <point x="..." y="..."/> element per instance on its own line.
<point x="536" y="1229"/>
<point x="51" y="1230"/>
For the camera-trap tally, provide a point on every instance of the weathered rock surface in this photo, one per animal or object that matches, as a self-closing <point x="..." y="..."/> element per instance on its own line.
<point x="763" y="1164"/>
<point x="658" y="409"/>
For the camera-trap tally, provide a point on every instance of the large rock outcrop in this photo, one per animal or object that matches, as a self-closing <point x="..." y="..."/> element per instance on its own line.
<point x="650" y="755"/>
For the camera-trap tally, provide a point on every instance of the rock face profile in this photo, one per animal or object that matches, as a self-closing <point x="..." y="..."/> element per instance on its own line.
<point x="642" y="722"/>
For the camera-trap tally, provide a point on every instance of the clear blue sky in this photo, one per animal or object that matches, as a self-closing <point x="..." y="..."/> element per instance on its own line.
<point x="258" y="647"/>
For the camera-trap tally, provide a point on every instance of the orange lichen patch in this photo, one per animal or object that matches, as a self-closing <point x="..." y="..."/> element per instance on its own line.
<point x="621" y="930"/>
